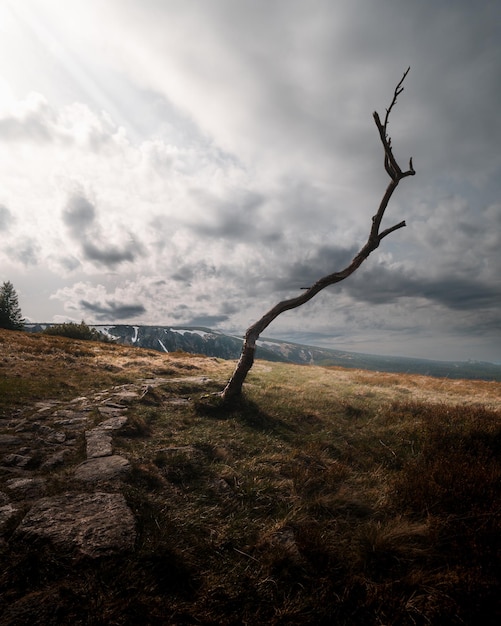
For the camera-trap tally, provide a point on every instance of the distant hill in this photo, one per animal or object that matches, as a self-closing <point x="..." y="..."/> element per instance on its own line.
<point x="200" y="340"/>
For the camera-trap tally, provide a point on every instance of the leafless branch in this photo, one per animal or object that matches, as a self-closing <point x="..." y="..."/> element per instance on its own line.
<point x="234" y="386"/>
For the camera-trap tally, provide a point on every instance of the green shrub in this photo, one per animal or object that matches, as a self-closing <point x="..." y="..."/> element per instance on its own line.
<point x="76" y="331"/>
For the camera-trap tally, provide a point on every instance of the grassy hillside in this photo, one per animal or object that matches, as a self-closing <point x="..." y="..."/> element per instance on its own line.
<point x="327" y="496"/>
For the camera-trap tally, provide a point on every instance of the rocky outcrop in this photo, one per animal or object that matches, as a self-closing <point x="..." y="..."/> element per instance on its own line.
<point x="102" y="469"/>
<point x="87" y="524"/>
<point x="48" y="438"/>
<point x="91" y="517"/>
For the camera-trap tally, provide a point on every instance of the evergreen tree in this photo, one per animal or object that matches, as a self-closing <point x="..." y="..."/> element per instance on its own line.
<point x="10" y="312"/>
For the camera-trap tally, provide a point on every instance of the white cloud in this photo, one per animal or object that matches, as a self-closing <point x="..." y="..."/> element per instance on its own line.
<point x="181" y="161"/>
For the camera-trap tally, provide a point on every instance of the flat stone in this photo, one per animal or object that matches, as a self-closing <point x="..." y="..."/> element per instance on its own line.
<point x="90" y="524"/>
<point x="10" y="440"/>
<point x="56" y="437"/>
<point x="55" y="460"/>
<point x="72" y="423"/>
<point x="50" y="435"/>
<point x="110" y="411"/>
<point x="26" y="487"/>
<point x="16" y="460"/>
<point x="21" y="425"/>
<point x="80" y="400"/>
<point x="98" y="444"/>
<point x="127" y="396"/>
<point x="70" y="414"/>
<point x="7" y="512"/>
<point x="99" y="441"/>
<point x="102" y="468"/>
<point x="113" y="423"/>
<point x="44" y="407"/>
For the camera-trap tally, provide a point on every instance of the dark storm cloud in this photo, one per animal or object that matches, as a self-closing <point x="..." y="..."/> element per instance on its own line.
<point x="108" y="255"/>
<point x="6" y="218"/>
<point x="25" y="250"/>
<point x="381" y="285"/>
<point x="236" y="217"/>
<point x="326" y="260"/>
<point x="112" y="310"/>
<point x="184" y="274"/>
<point x="193" y="272"/>
<point x="207" y="320"/>
<point x="282" y="157"/>
<point x="458" y="294"/>
<point x="80" y="217"/>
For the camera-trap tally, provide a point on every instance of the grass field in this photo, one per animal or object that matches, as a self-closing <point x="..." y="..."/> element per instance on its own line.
<point x="326" y="496"/>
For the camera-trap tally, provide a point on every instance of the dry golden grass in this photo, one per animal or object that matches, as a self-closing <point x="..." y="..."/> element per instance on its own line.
<point x="326" y="496"/>
<point x="34" y="367"/>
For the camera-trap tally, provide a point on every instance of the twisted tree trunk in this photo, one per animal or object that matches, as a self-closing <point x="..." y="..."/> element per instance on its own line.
<point x="234" y="386"/>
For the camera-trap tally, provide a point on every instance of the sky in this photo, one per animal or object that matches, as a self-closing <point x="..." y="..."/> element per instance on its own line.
<point x="182" y="162"/>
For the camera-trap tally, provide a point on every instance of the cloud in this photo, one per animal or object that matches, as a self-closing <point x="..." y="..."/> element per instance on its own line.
<point x="210" y="321"/>
<point x="35" y="121"/>
<point x="80" y="217"/>
<point x="235" y="216"/>
<point x="32" y="121"/>
<point x="25" y="250"/>
<point x="6" y="218"/>
<point x="216" y="155"/>
<point x="110" y="255"/>
<point x="79" y="214"/>
<point x="84" y="298"/>
<point x="318" y="263"/>
<point x="385" y="285"/>
<point x="112" y="311"/>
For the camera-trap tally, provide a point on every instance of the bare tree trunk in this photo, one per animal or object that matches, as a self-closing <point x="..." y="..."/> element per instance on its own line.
<point x="234" y="387"/>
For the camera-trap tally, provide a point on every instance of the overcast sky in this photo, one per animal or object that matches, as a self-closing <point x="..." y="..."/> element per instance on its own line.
<point x="194" y="162"/>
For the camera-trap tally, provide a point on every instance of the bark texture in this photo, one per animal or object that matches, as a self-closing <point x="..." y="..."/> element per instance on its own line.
<point x="234" y="386"/>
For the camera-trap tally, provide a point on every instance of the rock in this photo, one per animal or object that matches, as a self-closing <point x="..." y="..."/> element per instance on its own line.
<point x="50" y="435"/>
<point x="98" y="443"/>
<point x="7" y="512"/>
<point x="68" y="413"/>
<point x="102" y="469"/>
<point x="55" y="460"/>
<point x="9" y="440"/>
<point x="113" y="423"/>
<point x="77" y="422"/>
<point x="46" y="407"/>
<point x="127" y="397"/>
<point x="150" y="395"/>
<point x="79" y="400"/>
<point x="110" y="411"/>
<point x="89" y="524"/>
<point x="16" y="460"/>
<point x="26" y="487"/>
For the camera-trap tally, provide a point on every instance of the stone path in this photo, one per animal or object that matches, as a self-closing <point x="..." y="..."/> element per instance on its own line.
<point x="50" y="437"/>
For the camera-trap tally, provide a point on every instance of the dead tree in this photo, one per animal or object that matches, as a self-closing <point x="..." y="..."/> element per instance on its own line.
<point x="234" y="387"/>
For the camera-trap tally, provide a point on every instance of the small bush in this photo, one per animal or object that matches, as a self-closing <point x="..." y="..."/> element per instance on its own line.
<point x="77" y="331"/>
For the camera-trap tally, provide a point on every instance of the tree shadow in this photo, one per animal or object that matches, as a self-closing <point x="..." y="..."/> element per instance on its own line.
<point x="244" y="410"/>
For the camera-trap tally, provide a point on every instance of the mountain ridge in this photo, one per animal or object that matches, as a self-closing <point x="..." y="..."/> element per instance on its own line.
<point x="213" y="343"/>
